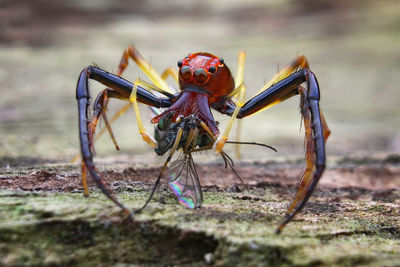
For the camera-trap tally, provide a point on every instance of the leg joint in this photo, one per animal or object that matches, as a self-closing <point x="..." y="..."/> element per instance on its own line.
<point x="313" y="87"/>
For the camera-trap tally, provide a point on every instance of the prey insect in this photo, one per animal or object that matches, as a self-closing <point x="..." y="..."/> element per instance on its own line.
<point x="184" y="122"/>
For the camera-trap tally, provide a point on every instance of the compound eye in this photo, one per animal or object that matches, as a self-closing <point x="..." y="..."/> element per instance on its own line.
<point x="185" y="73"/>
<point x="212" y="69"/>
<point x="221" y="60"/>
<point x="200" y="76"/>
<point x="180" y="63"/>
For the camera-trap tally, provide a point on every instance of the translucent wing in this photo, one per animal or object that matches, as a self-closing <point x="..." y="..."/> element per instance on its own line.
<point x="184" y="182"/>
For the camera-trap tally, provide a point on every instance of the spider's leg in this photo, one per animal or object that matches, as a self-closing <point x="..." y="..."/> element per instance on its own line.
<point x="159" y="81"/>
<point x="120" y="112"/>
<point x="133" y="99"/>
<point x="240" y="92"/>
<point x="316" y="132"/>
<point x="298" y="63"/>
<point x="315" y="127"/>
<point x="170" y="72"/>
<point x="228" y="107"/>
<point x="165" y="74"/>
<point x="84" y="181"/>
<point x="120" y="88"/>
<point x="132" y="52"/>
<point x="238" y="82"/>
<point x="99" y="108"/>
<point x="309" y="146"/>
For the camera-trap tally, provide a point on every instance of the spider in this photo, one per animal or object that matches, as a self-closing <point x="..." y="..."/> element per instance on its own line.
<point x="183" y="119"/>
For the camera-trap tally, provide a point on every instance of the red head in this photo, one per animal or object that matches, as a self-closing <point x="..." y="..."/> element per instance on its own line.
<point x="208" y="73"/>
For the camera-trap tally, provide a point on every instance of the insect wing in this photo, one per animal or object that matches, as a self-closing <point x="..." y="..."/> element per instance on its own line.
<point x="184" y="182"/>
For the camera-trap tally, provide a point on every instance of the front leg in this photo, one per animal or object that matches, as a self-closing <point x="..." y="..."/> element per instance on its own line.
<point x="315" y="127"/>
<point x="120" y="88"/>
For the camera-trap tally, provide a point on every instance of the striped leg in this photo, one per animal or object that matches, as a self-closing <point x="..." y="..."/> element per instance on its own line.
<point x="157" y="79"/>
<point x="238" y="82"/>
<point x="119" y="88"/>
<point x="316" y="129"/>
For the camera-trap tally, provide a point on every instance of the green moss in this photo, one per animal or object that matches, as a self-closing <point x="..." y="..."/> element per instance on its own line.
<point x="66" y="228"/>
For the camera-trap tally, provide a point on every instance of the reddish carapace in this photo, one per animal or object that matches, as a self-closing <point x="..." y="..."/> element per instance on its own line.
<point x="204" y="80"/>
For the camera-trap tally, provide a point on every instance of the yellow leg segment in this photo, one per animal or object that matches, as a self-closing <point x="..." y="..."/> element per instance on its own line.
<point x="238" y="82"/>
<point x="240" y="70"/>
<point x="149" y="86"/>
<point x="125" y="108"/>
<point x="240" y="102"/>
<point x="210" y="133"/>
<point x="132" y="52"/>
<point x="170" y="72"/>
<point x="146" y="137"/>
<point x="191" y="139"/>
<point x="158" y="80"/>
<point x="299" y="63"/>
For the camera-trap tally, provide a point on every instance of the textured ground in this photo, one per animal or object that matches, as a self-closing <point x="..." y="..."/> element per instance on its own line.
<point x="352" y="218"/>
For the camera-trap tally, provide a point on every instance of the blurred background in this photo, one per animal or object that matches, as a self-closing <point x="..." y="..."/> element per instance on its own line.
<point x="352" y="47"/>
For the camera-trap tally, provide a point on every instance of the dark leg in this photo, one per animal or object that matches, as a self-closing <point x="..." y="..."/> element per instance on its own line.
<point x="122" y="86"/>
<point x="120" y="89"/>
<point x="315" y="127"/>
<point x="279" y="92"/>
<point x="99" y="109"/>
<point x="316" y="133"/>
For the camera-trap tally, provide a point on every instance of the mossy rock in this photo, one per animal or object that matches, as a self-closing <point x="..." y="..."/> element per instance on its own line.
<point x="44" y="228"/>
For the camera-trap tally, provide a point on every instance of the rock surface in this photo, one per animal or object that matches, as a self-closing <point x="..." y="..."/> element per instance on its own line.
<point x="45" y="220"/>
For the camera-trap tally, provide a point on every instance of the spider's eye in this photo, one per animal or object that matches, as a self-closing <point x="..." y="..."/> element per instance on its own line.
<point x="200" y="75"/>
<point x="212" y="69"/>
<point x="221" y="60"/>
<point x="185" y="73"/>
<point x="180" y="63"/>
